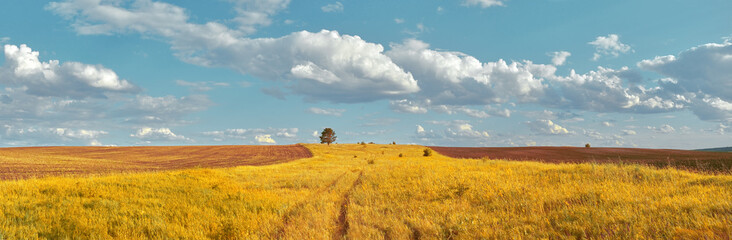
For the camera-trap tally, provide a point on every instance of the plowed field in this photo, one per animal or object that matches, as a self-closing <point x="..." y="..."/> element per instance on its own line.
<point x="683" y="159"/>
<point x="20" y="163"/>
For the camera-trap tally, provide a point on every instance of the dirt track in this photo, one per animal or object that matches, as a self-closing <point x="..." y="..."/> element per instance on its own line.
<point x="684" y="159"/>
<point x="20" y="163"/>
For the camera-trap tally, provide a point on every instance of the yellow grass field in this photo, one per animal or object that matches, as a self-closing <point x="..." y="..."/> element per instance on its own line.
<point x="369" y="192"/>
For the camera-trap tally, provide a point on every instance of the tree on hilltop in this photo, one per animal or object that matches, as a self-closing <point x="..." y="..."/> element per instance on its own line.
<point x="328" y="136"/>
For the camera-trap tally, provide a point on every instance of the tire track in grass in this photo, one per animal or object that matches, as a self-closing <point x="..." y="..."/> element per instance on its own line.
<point x="291" y="212"/>
<point x="342" y="224"/>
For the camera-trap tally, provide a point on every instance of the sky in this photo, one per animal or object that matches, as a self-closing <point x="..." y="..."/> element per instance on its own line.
<point x="622" y="73"/>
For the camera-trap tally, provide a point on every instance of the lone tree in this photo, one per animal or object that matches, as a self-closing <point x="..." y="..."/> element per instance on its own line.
<point x="328" y="136"/>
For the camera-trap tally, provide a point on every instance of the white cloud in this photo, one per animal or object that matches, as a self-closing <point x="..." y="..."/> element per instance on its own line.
<point x="158" y="134"/>
<point x="266" y="139"/>
<point x="472" y="112"/>
<point x="322" y="66"/>
<point x="455" y="78"/>
<point x="665" y="129"/>
<point x="4" y="40"/>
<point x="407" y="106"/>
<point x="558" y="58"/>
<point x="608" y="124"/>
<point x="700" y="76"/>
<point x="328" y="111"/>
<point x="629" y="132"/>
<point x="483" y="3"/>
<point x="13" y="135"/>
<point x="333" y="7"/>
<point x="399" y="20"/>
<point x="609" y="45"/>
<point x="465" y="130"/>
<point x="420" y="129"/>
<point x="254" y="13"/>
<point x="315" y="134"/>
<point x="548" y="127"/>
<point x="339" y="68"/>
<point x="249" y="134"/>
<point x="456" y="133"/>
<point x="22" y="68"/>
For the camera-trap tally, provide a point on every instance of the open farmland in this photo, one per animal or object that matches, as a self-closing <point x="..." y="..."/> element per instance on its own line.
<point x="661" y="158"/>
<point x="20" y="163"/>
<point x="371" y="192"/>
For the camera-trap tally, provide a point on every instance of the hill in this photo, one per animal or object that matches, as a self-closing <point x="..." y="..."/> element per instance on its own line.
<point x="721" y="149"/>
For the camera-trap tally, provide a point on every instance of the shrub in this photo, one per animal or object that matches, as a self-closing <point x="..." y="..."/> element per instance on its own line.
<point x="587" y="145"/>
<point x="370" y="161"/>
<point x="427" y="152"/>
<point x="401" y="155"/>
<point x="393" y="143"/>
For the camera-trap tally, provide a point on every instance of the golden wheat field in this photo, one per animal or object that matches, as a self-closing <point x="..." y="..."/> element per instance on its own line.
<point x="350" y="191"/>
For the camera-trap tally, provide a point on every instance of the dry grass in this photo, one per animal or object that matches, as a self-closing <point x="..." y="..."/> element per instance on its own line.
<point x="338" y="194"/>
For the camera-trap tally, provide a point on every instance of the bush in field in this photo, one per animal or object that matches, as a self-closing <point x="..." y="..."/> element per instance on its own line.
<point x="401" y="155"/>
<point x="587" y="145"/>
<point x="427" y="152"/>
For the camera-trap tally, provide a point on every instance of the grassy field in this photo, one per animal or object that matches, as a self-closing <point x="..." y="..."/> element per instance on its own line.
<point x="370" y="192"/>
<point x="697" y="161"/>
<point x="35" y="162"/>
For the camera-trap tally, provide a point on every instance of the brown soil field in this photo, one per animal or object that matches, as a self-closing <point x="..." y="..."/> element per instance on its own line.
<point x="28" y="162"/>
<point x="720" y="162"/>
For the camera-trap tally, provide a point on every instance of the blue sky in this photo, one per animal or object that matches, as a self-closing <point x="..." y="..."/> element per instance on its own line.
<point x="654" y="74"/>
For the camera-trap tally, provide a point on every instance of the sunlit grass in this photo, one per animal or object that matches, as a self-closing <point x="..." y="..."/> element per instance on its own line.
<point x="370" y="192"/>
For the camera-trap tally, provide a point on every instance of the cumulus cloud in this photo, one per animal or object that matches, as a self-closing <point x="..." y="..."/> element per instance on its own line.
<point x="455" y="133"/>
<point x="483" y="3"/>
<point x="326" y="111"/>
<point x="465" y="130"/>
<point x="609" y="45"/>
<point x="665" y="129"/>
<point x="456" y="78"/>
<point x="558" y="58"/>
<point x="242" y="134"/>
<point x="70" y="97"/>
<point x="329" y="66"/>
<point x="701" y="75"/>
<point x="333" y="7"/>
<point x="629" y="132"/>
<point x="266" y="139"/>
<point x="321" y="66"/>
<point x="407" y="106"/>
<point x="23" y="68"/>
<point x="158" y="134"/>
<point x="491" y="112"/>
<point x="604" y="90"/>
<point x="548" y="127"/>
<point x="13" y="135"/>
